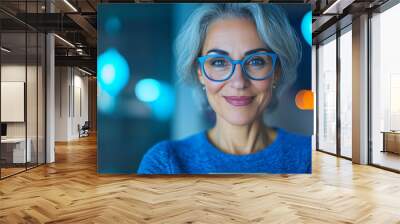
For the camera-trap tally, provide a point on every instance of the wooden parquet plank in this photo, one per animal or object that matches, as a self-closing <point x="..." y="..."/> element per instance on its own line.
<point x="70" y="191"/>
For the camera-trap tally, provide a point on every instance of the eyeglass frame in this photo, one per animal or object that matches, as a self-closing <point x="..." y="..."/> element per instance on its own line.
<point x="273" y="55"/>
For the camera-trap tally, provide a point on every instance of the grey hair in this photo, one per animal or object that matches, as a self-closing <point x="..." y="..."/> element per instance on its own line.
<point x="273" y="28"/>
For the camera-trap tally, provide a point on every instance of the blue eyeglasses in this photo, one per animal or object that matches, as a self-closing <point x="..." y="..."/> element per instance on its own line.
<point x="256" y="66"/>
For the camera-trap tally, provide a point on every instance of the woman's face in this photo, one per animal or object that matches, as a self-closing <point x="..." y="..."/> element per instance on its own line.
<point x="238" y="100"/>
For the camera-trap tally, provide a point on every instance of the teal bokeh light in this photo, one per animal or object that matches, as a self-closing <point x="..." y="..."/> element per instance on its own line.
<point x="306" y="27"/>
<point x="147" y="90"/>
<point x="113" y="71"/>
<point x="158" y="95"/>
<point x="164" y="106"/>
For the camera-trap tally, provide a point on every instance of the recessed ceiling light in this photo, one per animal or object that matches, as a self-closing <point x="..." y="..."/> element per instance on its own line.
<point x="337" y="7"/>
<point x="5" y="50"/>
<point x="84" y="71"/>
<point x="70" y="5"/>
<point x="65" y="41"/>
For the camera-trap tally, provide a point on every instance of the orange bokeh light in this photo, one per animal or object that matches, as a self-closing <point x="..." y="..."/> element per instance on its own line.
<point x="305" y="100"/>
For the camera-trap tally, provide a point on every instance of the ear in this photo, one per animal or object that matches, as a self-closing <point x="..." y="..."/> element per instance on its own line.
<point x="200" y="76"/>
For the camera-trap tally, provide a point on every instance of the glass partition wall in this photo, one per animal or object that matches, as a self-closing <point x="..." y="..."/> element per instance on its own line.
<point x="334" y="94"/>
<point x="326" y="104"/>
<point x="345" y="93"/>
<point x="22" y="77"/>
<point x="385" y="89"/>
<point x="334" y="91"/>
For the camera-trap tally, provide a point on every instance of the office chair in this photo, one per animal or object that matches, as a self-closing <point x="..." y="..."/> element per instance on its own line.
<point x="84" y="130"/>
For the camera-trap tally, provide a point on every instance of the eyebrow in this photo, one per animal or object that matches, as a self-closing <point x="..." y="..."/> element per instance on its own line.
<point x="219" y="51"/>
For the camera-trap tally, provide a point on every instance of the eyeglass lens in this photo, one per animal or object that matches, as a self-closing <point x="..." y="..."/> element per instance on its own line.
<point x="256" y="66"/>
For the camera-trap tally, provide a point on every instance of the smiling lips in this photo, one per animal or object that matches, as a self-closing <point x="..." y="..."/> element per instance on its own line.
<point x="239" y="101"/>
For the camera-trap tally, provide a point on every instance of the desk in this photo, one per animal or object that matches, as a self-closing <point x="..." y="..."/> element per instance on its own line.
<point x="16" y="147"/>
<point x="391" y="141"/>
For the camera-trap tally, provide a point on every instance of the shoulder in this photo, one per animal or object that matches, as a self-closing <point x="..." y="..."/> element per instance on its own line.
<point x="156" y="159"/>
<point x="162" y="157"/>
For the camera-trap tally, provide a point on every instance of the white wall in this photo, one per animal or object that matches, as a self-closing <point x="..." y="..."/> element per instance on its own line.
<point x="12" y="73"/>
<point x="79" y="117"/>
<point x="61" y="103"/>
<point x="70" y="83"/>
<point x="12" y="100"/>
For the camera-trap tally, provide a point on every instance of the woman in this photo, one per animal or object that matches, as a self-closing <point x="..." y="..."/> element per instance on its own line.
<point x="242" y="56"/>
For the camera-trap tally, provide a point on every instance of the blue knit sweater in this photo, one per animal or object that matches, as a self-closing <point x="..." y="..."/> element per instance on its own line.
<point x="289" y="153"/>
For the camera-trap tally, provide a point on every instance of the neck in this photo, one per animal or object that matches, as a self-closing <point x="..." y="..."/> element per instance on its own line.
<point x="244" y="139"/>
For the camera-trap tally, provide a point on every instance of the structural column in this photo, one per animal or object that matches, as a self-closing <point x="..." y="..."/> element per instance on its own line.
<point x="50" y="92"/>
<point x="360" y="90"/>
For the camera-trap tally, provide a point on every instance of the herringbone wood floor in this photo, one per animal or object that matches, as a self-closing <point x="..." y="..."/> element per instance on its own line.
<point x="70" y="191"/>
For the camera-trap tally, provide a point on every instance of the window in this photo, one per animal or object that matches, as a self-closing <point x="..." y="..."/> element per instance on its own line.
<point x="385" y="89"/>
<point x="346" y="74"/>
<point x="327" y="96"/>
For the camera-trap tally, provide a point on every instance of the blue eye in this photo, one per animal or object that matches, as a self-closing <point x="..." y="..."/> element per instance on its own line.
<point x="256" y="61"/>
<point x="218" y="62"/>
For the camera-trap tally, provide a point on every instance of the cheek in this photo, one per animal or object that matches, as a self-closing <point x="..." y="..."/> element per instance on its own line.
<point x="263" y="89"/>
<point x="213" y="87"/>
<point x="213" y="94"/>
<point x="262" y="86"/>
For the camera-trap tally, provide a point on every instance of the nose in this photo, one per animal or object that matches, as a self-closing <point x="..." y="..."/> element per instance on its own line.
<point x="239" y="79"/>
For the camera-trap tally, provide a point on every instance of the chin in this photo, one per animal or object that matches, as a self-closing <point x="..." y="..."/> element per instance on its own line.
<point x="239" y="118"/>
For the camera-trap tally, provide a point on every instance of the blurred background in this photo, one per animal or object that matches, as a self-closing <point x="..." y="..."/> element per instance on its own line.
<point x="141" y="102"/>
